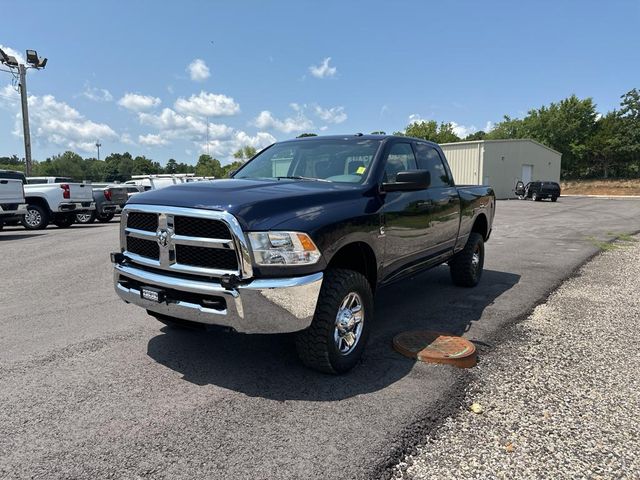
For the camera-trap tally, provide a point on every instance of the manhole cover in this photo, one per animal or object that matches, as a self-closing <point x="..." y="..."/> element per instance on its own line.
<point x="436" y="347"/>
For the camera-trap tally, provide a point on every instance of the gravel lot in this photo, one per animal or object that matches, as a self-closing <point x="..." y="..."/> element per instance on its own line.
<point x="560" y="398"/>
<point x="93" y="388"/>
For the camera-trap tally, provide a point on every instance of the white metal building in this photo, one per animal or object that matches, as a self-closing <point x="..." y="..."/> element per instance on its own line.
<point x="501" y="163"/>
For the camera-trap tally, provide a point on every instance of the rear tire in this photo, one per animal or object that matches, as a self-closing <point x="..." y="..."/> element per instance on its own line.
<point x="467" y="265"/>
<point x="36" y="218"/>
<point x="104" y="217"/>
<point x="85" y="218"/>
<point x="554" y="199"/>
<point x="338" y="334"/>
<point x="64" y="220"/>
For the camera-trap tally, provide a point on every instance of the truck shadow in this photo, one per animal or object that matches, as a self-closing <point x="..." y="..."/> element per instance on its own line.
<point x="267" y="366"/>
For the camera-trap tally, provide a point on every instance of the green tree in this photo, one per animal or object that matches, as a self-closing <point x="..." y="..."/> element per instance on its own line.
<point x="479" y="135"/>
<point x="119" y="167"/>
<point x="303" y="135"/>
<point x="231" y="167"/>
<point x="430" y="130"/>
<point x="208" y="166"/>
<point x="171" y="166"/>
<point x="144" y="166"/>
<point x="245" y="153"/>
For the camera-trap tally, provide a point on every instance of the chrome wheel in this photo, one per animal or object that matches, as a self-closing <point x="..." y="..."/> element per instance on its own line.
<point x="83" y="217"/>
<point x="33" y="218"/>
<point x="349" y="322"/>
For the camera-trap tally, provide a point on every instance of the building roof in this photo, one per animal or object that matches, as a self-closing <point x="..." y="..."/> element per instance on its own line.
<point x="468" y="142"/>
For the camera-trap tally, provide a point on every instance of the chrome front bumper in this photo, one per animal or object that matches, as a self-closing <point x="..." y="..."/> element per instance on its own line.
<point x="277" y="305"/>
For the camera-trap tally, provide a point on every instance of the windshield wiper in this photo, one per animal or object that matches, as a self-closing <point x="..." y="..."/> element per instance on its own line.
<point x="299" y="177"/>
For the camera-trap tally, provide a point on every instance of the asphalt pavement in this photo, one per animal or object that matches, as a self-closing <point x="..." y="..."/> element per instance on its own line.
<point x="93" y="388"/>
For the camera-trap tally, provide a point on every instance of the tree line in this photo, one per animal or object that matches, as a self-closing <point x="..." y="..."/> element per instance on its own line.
<point x="119" y="167"/>
<point x="593" y="145"/>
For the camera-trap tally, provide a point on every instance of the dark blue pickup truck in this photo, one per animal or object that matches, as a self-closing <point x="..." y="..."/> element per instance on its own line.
<point x="300" y="238"/>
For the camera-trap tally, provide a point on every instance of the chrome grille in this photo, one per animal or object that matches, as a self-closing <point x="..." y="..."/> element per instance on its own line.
<point x="143" y="221"/>
<point x="191" y="241"/>
<point x="201" y="227"/>
<point x="144" y="248"/>
<point x="206" y="257"/>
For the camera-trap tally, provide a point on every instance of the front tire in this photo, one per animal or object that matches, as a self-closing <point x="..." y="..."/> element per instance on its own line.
<point x="554" y="199"/>
<point x="36" y="218"/>
<point x="534" y="197"/>
<point x="338" y="334"/>
<point x="467" y="265"/>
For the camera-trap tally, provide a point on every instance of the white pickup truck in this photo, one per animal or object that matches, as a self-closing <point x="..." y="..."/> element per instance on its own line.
<point x="56" y="200"/>
<point x="12" y="202"/>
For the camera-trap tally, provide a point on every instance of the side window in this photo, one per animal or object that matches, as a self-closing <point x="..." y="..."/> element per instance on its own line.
<point x="429" y="159"/>
<point x="400" y="158"/>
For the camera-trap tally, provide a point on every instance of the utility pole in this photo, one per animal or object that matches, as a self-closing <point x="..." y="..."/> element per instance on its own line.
<point x="207" y="135"/>
<point x="22" y="70"/>
<point x="34" y="62"/>
<point x="98" y="145"/>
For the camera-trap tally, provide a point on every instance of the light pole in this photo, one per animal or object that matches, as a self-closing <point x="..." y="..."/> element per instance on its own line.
<point x="98" y="145"/>
<point x="34" y="62"/>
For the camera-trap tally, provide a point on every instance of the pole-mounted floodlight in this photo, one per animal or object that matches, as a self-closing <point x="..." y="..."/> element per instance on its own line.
<point x="32" y="57"/>
<point x="8" y="60"/>
<point x="34" y="60"/>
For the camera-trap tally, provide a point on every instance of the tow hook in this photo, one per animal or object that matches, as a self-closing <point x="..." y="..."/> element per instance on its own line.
<point x="118" y="258"/>
<point x="229" y="282"/>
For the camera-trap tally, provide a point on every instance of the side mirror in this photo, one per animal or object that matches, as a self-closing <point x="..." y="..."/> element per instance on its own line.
<point x="408" y="181"/>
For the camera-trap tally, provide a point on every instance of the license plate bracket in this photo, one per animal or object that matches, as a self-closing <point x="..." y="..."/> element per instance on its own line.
<point x="152" y="294"/>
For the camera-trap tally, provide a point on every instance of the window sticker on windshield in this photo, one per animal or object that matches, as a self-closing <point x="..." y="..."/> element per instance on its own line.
<point x="360" y="170"/>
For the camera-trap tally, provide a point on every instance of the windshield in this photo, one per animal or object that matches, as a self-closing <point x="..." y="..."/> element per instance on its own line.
<point x="333" y="160"/>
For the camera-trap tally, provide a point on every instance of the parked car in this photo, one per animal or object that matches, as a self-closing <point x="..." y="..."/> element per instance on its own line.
<point x="12" y="202"/>
<point x="109" y="200"/>
<point x="300" y="239"/>
<point x="537" y="191"/>
<point x="55" y="199"/>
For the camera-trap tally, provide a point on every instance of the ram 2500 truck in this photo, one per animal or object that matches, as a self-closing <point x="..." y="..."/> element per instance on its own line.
<point x="299" y="240"/>
<point x="12" y="202"/>
<point x="55" y="199"/>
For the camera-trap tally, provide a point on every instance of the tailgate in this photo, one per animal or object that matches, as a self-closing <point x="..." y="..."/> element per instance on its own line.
<point x="80" y="192"/>
<point x="11" y="191"/>
<point x="119" y="195"/>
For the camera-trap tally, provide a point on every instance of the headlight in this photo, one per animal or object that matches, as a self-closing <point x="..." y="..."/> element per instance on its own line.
<point x="283" y="248"/>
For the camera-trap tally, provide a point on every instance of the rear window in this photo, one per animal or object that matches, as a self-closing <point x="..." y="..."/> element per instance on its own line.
<point x="13" y="175"/>
<point x="36" y="181"/>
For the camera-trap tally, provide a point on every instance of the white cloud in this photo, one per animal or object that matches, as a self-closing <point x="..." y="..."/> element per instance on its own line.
<point x="207" y="105"/>
<point x="324" y="70"/>
<point x="266" y="121"/>
<point x="463" y="130"/>
<point x="152" y="140"/>
<point x="137" y="102"/>
<point x="173" y="125"/>
<point x="331" y="115"/>
<point x="59" y="124"/>
<point x="126" y="139"/>
<point x="224" y="148"/>
<point x="198" y="70"/>
<point x="489" y="126"/>
<point x="97" y="94"/>
<point x="415" y="117"/>
<point x="12" y="53"/>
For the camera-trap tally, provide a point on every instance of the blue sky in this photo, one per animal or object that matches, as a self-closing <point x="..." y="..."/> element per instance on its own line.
<point x="259" y="70"/>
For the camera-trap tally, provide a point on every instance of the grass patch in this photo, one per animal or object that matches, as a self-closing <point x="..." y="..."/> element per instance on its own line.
<point x="618" y="240"/>
<point x="601" y="187"/>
